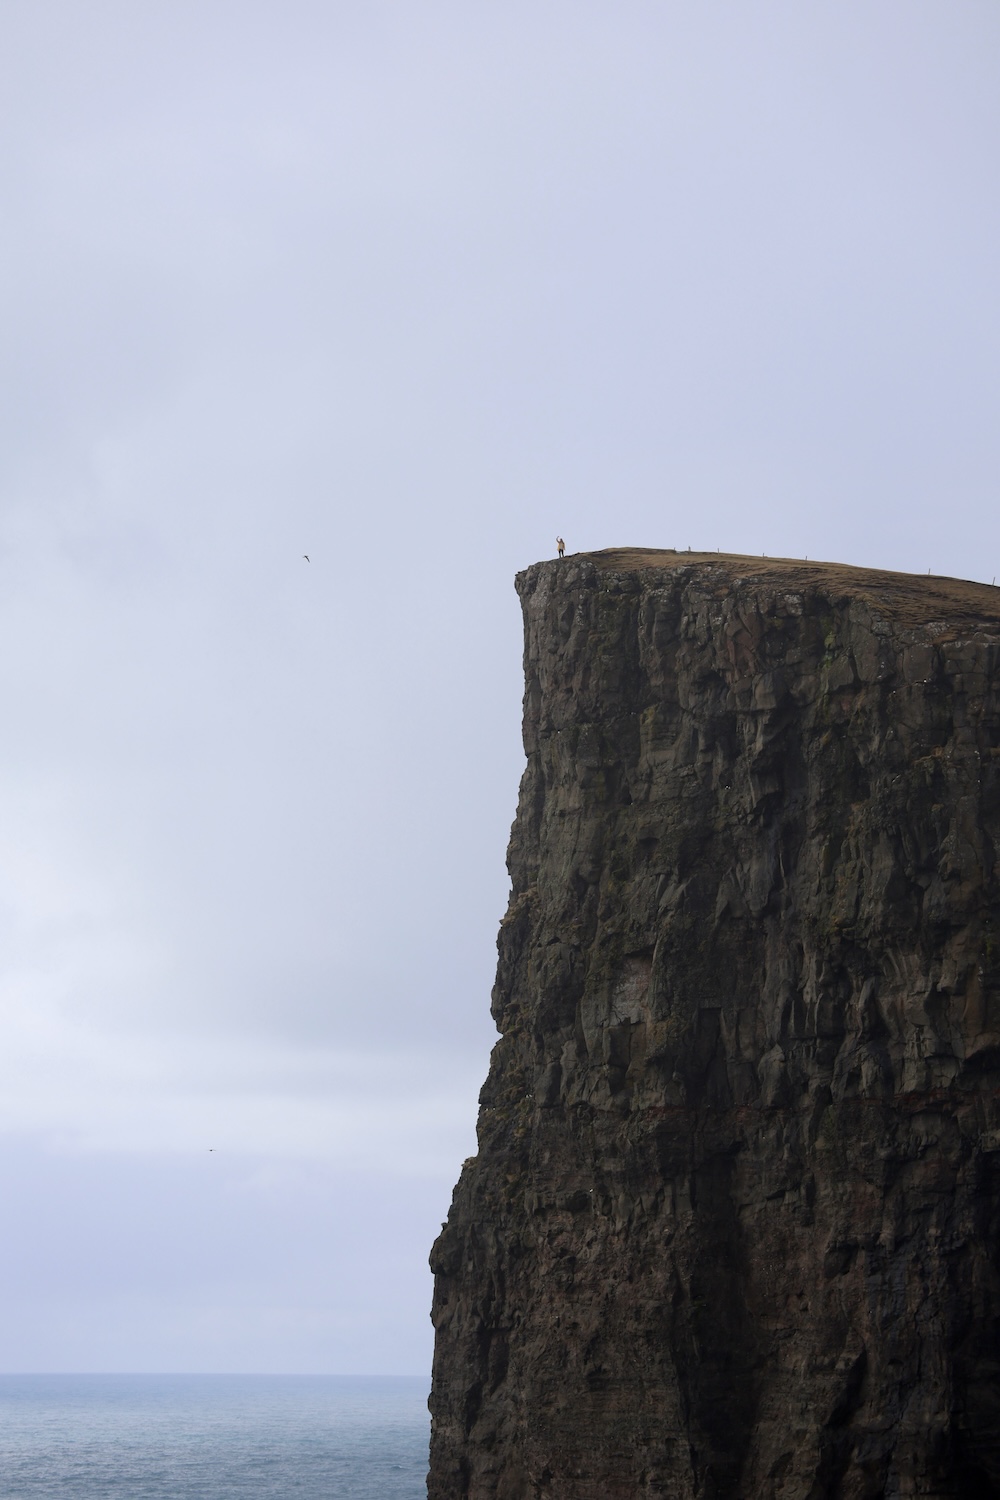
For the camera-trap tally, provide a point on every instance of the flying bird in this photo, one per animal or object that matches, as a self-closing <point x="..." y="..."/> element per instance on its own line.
<point x="306" y="556"/>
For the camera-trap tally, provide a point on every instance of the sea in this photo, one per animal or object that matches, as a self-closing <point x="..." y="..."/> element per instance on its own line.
<point x="213" y="1437"/>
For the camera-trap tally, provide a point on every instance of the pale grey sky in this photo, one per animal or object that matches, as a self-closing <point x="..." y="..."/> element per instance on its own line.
<point x="408" y="288"/>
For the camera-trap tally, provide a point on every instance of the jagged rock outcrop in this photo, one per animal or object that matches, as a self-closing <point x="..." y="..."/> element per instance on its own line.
<point x="734" y="1225"/>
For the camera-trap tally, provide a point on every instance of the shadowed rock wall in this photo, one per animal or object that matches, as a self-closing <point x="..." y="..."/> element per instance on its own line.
<point x="734" y="1225"/>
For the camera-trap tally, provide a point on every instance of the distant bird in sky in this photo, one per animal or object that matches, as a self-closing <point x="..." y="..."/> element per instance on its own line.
<point x="306" y="556"/>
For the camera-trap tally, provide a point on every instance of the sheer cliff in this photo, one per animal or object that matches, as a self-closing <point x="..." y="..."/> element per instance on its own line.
<point x="733" y="1229"/>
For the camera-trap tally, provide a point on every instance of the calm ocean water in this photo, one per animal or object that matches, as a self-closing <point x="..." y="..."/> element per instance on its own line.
<point x="212" y="1437"/>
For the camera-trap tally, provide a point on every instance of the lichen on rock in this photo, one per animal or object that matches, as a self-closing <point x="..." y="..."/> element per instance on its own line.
<point x="733" y="1229"/>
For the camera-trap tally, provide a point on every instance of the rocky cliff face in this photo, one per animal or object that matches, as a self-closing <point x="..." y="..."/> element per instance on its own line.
<point x="734" y="1225"/>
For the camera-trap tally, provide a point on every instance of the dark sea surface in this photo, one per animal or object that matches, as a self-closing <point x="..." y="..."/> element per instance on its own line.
<point x="212" y="1437"/>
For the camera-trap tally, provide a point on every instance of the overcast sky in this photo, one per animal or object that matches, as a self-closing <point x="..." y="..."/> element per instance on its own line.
<point x="408" y="288"/>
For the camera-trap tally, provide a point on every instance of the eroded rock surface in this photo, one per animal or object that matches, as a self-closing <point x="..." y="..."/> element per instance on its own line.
<point x="734" y="1225"/>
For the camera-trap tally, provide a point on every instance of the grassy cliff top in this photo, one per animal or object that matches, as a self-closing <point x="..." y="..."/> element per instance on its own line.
<point x="911" y="598"/>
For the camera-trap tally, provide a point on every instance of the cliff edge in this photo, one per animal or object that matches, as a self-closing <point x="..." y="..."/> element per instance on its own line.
<point x="733" y="1229"/>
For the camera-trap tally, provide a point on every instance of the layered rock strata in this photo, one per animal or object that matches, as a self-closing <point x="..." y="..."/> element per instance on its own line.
<point x="734" y="1226"/>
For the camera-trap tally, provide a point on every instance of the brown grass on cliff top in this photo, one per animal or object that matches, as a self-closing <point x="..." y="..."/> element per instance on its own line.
<point x="910" y="598"/>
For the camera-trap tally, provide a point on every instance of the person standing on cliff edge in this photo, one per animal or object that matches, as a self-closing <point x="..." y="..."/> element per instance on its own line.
<point x="561" y="545"/>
